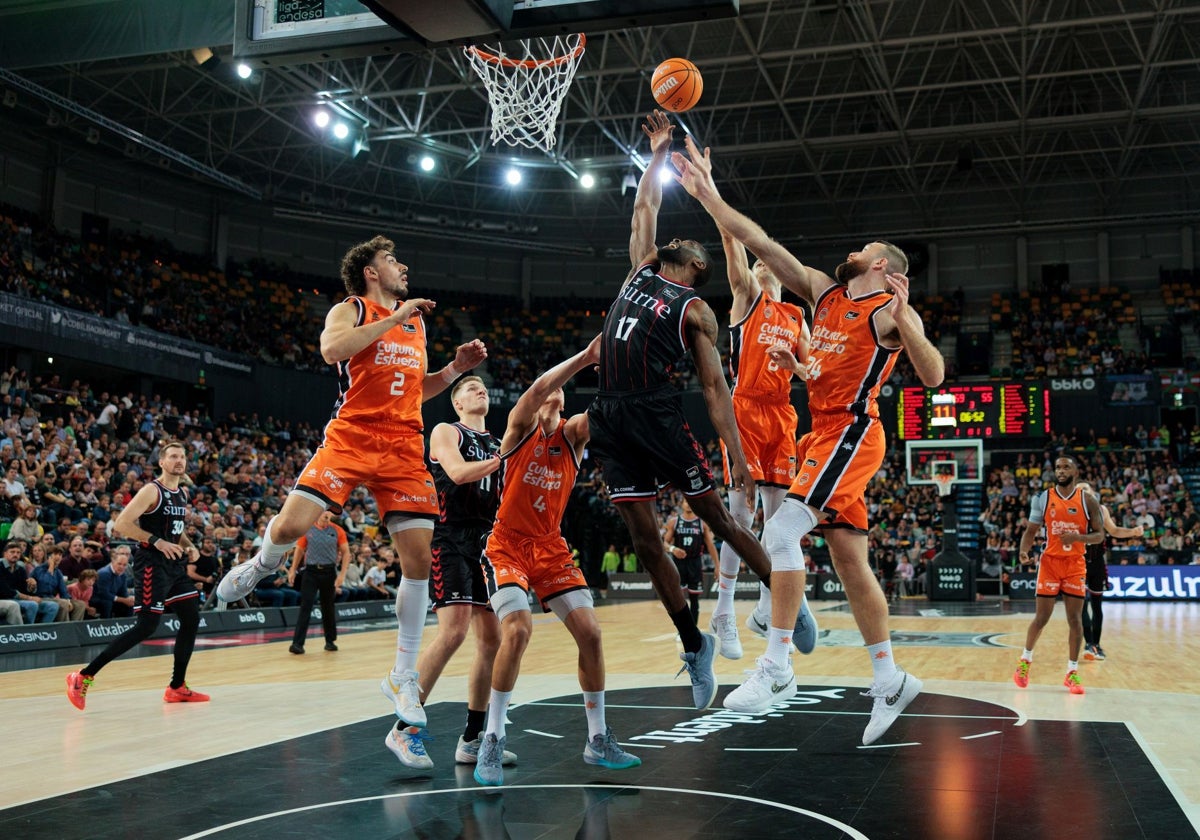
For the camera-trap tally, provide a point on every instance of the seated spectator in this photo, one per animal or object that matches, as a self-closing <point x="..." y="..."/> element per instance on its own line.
<point x="273" y="591"/>
<point x="52" y="586"/>
<point x="81" y="592"/>
<point x="376" y="580"/>
<point x="16" y="585"/>
<point x="205" y="569"/>
<point x="74" y="560"/>
<point x="110" y="596"/>
<point x="354" y="587"/>
<point x="27" y="527"/>
<point x="10" y="612"/>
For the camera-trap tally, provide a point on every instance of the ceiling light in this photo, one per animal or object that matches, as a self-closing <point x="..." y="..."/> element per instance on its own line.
<point x="244" y="70"/>
<point x="587" y="181"/>
<point x="427" y="164"/>
<point x="513" y="177"/>
<point x="321" y="118"/>
<point x="341" y="131"/>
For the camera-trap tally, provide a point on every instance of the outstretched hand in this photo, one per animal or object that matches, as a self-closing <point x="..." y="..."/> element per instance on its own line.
<point x="425" y="305"/>
<point x="695" y="169"/>
<point x="470" y="355"/>
<point x="659" y="128"/>
<point x="898" y="283"/>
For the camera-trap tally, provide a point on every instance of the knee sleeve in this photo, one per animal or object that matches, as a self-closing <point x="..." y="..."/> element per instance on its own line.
<point x="566" y="603"/>
<point x="782" y="533"/>
<point x="508" y="600"/>
<point x="741" y="514"/>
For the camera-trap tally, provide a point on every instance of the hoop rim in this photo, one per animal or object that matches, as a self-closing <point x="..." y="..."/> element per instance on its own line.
<point x="945" y="483"/>
<point x="529" y="63"/>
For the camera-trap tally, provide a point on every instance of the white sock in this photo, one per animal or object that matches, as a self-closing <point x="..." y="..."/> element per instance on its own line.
<point x="412" y="602"/>
<point x="882" y="662"/>
<point x="271" y="555"/>
<point x="730" y="562"/>
<point x="497" y="712"/>
<point x="1072" y="665"/>
<point x="593" y="705"/>
<point x="779" y="646"/>
<point x="763" y="608"/>
<point x="725" y="590"/>
<point x="1027" y="655"/>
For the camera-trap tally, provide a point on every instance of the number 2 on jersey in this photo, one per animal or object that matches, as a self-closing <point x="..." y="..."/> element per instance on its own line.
<point x="398" y="385"/>
<point x="624" y="328"/>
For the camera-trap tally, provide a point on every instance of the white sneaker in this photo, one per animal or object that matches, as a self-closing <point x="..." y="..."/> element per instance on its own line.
<point x="408" y="746"/>
<point x="724" y="627"/>
<point x="242" y="579"/>
<point x="758" y="623"/>
<point x="890" y="701"/>
<point x="404" y="692"/>
<point x="467" y="752"/>
<point x="767" y="684"/>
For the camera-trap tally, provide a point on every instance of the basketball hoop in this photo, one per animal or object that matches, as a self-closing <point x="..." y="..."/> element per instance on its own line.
<point x="526" y="87"/>
<point x="945" y="483"/>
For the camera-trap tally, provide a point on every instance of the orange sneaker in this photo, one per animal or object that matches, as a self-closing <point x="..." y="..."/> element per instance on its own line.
<point x="77" y="688"/>
<point x="1072" y="682"/>
<point x="1021" y="675"/>
<point x="183" y="694"/>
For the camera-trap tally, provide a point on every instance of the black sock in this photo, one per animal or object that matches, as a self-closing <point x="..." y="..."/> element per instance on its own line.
<point x="695" y="607"/>
<point x="475" y="723"/>
<point x="689" y="634"/>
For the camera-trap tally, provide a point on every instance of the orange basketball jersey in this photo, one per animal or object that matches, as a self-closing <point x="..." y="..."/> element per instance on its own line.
<point x="766" y="324"/>
<point x="846" y="363"/>
<point x="539" y="474"/>
<point x="1061" y="515"/>
<point x="382" y="383"/>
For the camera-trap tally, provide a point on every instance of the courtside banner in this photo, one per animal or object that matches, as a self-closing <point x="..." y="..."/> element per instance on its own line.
<point x="22" y="637"/>
<point x="622" y="585"/>
<point x="1021" y="586"/>
<point x="1154" y="583"/>
<point x="826" y="586"/>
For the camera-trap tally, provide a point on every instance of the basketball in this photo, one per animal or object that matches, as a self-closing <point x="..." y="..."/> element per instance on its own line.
<point x="676" y="85"/>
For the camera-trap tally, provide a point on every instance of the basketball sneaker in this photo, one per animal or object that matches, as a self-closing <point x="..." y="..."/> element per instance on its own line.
<point x="77" y="688"/>
<point x="408" y="745"/>
<point x="699" y="666"/>
<point x="242" y="579"/>
<point x="488" y="767"/>
<point x="757" y="623"/>
<point x="467" y="752"/>
<point x="804" y="635"/>
<point x="724" y="627"/>
<point x="183" y="694"/>
<point x="1100" y="653"/>
<point x="604" y="751"/>
<point x="1021" y="675"/>
<point x="766" y="685"/>
<point x="890" y="701"/>
<point x="404" y="692"/>
<point x="1071" y="681"/>
<point x="1089" y="652"/>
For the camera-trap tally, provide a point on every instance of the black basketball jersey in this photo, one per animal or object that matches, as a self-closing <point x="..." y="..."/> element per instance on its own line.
<point x="643" y="336"/>
<point x="475" y="501"/>
<point x="689" y="535"/>
<point x="166" y="519"/>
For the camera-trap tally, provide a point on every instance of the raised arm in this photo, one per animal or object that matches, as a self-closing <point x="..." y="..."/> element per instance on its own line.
<point x="926" y="359"/>
<point x="443" y="448"/>
<point x="695" y="174"/>
<point x="467" y="357"/>
<point x="1117" y="531"/>
<point x="649" y="192"/>
<point x="524" y="414"/>
<point x="701" y="328"/>
<point x="741" y="279"/>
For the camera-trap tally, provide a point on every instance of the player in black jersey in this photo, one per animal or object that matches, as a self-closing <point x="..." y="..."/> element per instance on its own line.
<point x="465" y="466"/>
<point x="1096" y="580"/>
<point x="687" y="538"/>
<point x="639" y="433"/>
<point x="155" y="518"/>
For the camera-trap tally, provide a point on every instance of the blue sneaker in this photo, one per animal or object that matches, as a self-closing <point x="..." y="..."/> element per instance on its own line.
<point x="606" y="752"/>
<point x="699" y="666"/>
<point x="804" y="636"/>
<point x="489" y="768"/>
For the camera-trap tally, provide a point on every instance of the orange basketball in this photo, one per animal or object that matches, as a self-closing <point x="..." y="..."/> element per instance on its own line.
<point x="676" y="85"/>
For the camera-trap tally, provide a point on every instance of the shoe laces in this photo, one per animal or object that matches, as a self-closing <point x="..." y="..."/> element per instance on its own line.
<point x="85" y="683"/>
<point x="1073" y="677"/>
<point x="761" y="666"/>
<point x="608" y="745"/>
<point x="416" y="739"/>
<point x="877" y="691"/>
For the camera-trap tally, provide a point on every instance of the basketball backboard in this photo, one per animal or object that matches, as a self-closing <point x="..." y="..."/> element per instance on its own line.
<point x="927" y="459"/>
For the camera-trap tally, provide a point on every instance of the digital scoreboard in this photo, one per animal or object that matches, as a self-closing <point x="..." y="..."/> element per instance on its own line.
<point x="981" y="410"/>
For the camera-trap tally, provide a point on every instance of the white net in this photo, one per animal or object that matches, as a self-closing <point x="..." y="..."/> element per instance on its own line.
<point x="945" y="483"/>
<point x="526" y="86"/>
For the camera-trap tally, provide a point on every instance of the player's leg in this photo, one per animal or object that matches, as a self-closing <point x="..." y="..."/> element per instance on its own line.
<point x="453" y="622"/>
<point x="300" y="512"/>
<point x="1047" y="593"/>
<point x="411" y="539"/>
<point x="486" y="629"/>
<point x="511" y="605"/>
<point x="1074" y="609"/>
<point x="187" y="612"/>
<point x="78" y="682"/>
<point x="1097" y="605"/>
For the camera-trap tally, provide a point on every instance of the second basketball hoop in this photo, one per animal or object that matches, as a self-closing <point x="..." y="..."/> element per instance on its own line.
<point x="526" y="86"/>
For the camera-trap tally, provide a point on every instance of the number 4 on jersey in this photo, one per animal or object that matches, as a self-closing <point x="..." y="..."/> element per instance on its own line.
<point x="539" y="504"/>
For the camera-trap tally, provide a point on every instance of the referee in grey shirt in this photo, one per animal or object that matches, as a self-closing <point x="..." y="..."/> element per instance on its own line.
<point x="324" y="554"/>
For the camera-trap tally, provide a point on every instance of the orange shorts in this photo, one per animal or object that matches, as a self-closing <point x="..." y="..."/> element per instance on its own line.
<point x="767" y="430"/>
<point x="391" y="464"/>
<point x="1062" y="573"/>
<point x="835" y="463"/>
<point x="543" y="564"/>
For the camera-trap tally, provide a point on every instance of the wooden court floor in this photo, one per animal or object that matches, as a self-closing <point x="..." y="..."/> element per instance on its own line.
<point x="263" y="695"/>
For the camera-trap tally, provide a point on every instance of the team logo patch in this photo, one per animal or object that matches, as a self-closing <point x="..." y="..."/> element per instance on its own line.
<point x="1072" y="511"/>
<point x="768" y="312"/>
<point x="332" y="479"/>
<point x="810" y="462"/>
<point x="537" y="452"/>
<point x="407" y="327"/>
<point x="823" y="314"/>
<point x="555" y="450"/>
<point x="803" y="479"/>
<point x="692" y="472"/>
<point x="851" y="315"/>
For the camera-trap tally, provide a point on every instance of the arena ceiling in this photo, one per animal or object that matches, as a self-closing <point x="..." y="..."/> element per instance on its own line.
<point x="818" y="113"/>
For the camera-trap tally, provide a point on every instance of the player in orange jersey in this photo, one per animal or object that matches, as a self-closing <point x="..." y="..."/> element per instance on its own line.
<point x="376" y="338"/>
<point x="766" y="421"/>
<point x="861" y="321"/>
<point x="1072" y="518"/>
<point x="541" y="451"/>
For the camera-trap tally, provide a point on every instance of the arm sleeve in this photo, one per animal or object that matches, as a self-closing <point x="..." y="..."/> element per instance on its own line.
<point x="1037" y="508"/>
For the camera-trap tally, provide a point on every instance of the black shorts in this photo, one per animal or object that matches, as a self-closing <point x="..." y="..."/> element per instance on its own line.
<point x="1097" y="575"/>
<point x="456" y="576"/>
<point x="691" y="574"/>
<point x="159" y="582"/>
<point x="643" y="441"/>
